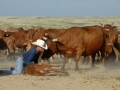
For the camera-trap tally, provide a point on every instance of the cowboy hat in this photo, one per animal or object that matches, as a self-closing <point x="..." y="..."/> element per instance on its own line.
<point x="41" y="43"/>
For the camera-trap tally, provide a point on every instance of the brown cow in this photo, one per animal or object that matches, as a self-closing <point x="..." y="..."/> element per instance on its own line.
<point x="78" y="41"/>
<point x="113" y="34"/>
<point x="7" y="43"/>
<point x="21" y="39"/>
<point x="42" y="69"/>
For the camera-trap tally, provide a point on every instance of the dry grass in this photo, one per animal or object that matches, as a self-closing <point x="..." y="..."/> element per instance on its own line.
<point x="55" y="22"/>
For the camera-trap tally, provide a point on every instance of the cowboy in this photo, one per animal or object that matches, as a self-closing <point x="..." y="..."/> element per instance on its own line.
<point x="28" y="58"/>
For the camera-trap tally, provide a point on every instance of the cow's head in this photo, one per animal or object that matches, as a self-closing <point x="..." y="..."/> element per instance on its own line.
<point x="109" y="26"/>
<point x="31" y="33"/>
<point x="38" y="34"/>
<point x="52" y="47"/>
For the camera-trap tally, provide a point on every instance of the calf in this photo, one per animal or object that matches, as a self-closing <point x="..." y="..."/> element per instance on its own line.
<point x="42" y="69"/>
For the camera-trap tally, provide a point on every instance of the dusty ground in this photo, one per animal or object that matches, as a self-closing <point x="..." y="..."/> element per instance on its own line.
<point x="99" y="78"/>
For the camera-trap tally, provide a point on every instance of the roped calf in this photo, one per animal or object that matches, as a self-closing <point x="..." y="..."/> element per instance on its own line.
<point x="43" y="69"/>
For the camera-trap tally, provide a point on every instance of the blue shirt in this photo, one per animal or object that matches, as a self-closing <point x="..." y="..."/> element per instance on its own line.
<point x="31" y="56"/>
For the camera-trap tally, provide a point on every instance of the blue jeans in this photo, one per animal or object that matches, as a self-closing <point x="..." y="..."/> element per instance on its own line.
<point x="18" y="70"/>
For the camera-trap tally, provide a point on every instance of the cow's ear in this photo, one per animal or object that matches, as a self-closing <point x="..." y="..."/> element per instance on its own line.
<point x="101" y="24"/>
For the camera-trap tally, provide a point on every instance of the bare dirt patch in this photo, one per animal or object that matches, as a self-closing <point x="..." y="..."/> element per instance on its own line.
<point x="99" y="78"/>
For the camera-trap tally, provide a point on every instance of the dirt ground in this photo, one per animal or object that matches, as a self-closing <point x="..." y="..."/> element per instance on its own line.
<point x="99" y="78"/>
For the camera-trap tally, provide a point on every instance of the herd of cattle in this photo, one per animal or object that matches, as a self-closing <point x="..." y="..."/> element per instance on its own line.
<point x="70" y="42"/>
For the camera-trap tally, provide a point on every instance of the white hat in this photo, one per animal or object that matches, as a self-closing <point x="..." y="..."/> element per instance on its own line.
<point x="41" y="43"/>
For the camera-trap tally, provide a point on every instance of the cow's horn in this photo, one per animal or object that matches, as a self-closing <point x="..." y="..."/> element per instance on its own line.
<point x="54" y="40"/>
<point x="44" y="38"/>
<point x="33" y="27"/>
<point x="101" y="24"/>
<point x="112" y="23"/>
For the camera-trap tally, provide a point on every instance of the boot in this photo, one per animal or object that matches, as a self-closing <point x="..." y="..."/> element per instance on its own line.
<point x="1" y="71"/>
<point x="12" y="68"/>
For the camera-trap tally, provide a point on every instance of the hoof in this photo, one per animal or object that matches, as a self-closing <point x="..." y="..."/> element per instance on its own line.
<point x="12" y="68"/>
<point x="62" y="68"/>
<point x="77" y="69"/>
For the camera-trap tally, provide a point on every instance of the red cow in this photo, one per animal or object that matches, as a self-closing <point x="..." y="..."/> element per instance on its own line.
<point x="21" y="39"/>
<point x="113" y="34"/>
<point x="78" y="41"/>
<point x="7" y="43"/>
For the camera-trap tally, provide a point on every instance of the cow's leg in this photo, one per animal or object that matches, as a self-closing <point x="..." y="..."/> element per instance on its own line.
<point x="103" y="55"/>
<point x="64" y="63"/>
<point x="56" y="70"/>
<point x="55" y="74"/>
<point x="8" y="55"/>
<point x="78" y="55"/>
<point x="90" y="59"/>
<point x="52" y="69"/>
<point x="82" y="59"/>
<point x="12" y="53"/>
<point x="93" y="61"/>
<point x="48" y="70"/>
<point x="59" y="56"/>
<point x="116" y="53"/>
<point x="7" y="52"/>
<point x="54" y="65"/>
<point x="76" y="67"/>
<point x="98" y="57"/>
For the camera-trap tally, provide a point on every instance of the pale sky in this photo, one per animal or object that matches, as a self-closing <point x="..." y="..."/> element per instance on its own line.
<point x="59" y="7"/>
